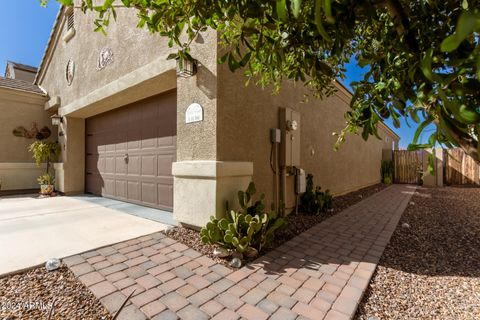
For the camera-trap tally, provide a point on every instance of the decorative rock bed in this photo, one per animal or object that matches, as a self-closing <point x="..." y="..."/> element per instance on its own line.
<point x="430" y="269"/>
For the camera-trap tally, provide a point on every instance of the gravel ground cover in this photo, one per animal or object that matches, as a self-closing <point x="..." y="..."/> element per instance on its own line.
<point x="30" y="295"/>
<point x="430" y="270"/>
<point x="297" y="223"/>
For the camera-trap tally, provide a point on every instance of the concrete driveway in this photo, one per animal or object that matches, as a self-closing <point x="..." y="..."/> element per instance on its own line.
<point x="33" y="230"/>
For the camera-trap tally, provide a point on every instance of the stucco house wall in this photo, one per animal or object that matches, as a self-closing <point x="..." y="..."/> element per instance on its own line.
<point x="245" y="116"/>
<point x="215" y="157"/>
<point x="139" y="70"/>
<point x="132" y="49"/>
<point x="19" y="108"/>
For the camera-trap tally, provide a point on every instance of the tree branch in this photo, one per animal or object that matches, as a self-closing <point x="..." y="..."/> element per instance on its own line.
<point x="468" y="145"/>
<point x="401" y="22"/>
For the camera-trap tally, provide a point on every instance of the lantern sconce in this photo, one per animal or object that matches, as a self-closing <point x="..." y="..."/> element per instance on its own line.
<point x="186" y="68"/>
<point x="56" y="120"/>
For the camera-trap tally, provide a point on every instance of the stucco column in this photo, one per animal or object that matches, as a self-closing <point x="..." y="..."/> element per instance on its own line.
<point x="203" y="188"/>
<point x="202" y="184"/>
<point x="70" y="173"/>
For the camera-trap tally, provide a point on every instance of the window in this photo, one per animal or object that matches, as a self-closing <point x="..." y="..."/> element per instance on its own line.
<point x="70" y="18"/>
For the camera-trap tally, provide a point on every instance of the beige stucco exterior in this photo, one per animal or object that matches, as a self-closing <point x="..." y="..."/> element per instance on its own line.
<point x="19" y="108"/>
<point x="139" y="70"/>
<point x="245" y="117"/>
<point x="217" y="156"/>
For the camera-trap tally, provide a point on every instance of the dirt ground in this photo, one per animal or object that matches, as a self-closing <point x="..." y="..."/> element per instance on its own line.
<point x="30" y="295"/>
<point x="431" y="268"/>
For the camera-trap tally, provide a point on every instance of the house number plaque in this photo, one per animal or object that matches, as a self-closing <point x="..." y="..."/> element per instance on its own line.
<point x="194" y="113"/>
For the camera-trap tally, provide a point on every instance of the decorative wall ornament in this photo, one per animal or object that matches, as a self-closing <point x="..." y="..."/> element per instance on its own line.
<point x="105" y="58"/>
<point x="33" y="133"/>
<point x="70" y="71"/>
<point x="194" y="113"/>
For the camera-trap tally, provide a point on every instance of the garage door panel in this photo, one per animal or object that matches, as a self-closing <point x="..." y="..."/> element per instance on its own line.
<point x="149" y="166"/>
<point x="144" y="132"/>
<point x="165" y="195"/>
<point x="108" y="186"/>
<point x="94" y="184"/>
<point x="148" y="193"/>
<point x="109" y="165"/>
<point x="121" y="188"/>
<point x="135" y="117"/>
<point x="134" y="138"/>
<point x="133" y="190"/>
<point x="164" y="165"/>
<point x="110" y="141"/>
<point x="165" y="141"/>
<point x="120" y="165"/>
<point x="121" y="141"/>
<point x="91" y="144"/>
<point x="149" y="112"/>
<point x="149" y="137"/>
<point x="133" y="167"/>
<point x="95" y="164"/>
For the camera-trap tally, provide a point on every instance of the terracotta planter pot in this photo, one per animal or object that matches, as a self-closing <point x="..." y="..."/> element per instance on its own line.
<point x="46" y="189"/>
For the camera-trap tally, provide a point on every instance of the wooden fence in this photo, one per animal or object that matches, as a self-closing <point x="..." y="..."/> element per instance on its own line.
<point x="460" y="168"/>
<point x="408" y="166"/>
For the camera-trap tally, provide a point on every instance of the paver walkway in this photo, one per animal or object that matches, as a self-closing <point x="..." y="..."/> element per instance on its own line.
<point x="320" y="274"/>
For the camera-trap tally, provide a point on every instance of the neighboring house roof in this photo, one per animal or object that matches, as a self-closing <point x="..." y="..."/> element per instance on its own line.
<point x="20" y="85"/>
<point x="21" y="66"/>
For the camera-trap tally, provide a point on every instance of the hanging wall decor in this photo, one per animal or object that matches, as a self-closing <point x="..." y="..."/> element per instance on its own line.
<point x="33" y="133"/>
<point x="105" y="58"/>
<point x="70" y="71"/>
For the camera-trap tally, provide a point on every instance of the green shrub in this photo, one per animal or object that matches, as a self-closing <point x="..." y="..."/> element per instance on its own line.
<point x="314" y="200"/>
<point x="44" y="151"/>
<point x="387" y="171"/>
<point x="250" y="227"/>
<point x="46" y="179"/>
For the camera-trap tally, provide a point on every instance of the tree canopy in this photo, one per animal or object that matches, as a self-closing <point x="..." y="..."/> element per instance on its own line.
<point x="422" y="56"/>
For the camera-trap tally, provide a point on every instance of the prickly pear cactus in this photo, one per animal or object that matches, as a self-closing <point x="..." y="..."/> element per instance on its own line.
<point x="211" y="233"/>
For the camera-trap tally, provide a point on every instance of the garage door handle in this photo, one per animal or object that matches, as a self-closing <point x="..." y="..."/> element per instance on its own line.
<point x="125" y="157"/>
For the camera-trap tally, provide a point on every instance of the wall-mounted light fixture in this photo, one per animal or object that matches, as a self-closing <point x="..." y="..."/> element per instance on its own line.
<point x="186" y="68"/>
<point x="56" y="120"/>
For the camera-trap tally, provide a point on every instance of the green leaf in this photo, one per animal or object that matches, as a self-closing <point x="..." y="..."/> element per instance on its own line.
<point x="296" y="5"/>
<point x="414" y="115"/>
<point x="363" y="62"/>
<point x="327" y="6"/>
<point x="467" y="23"/>
<point x="426" y="66"/>
<point x="318" y="21"/>
<point x="469" y="115"/>
<point x="282" y="10"/>
<point x="172" y="56"/>
<point x="415" y="147"/>
<point x="66" y="2"/>
<point x="420" y="129"/>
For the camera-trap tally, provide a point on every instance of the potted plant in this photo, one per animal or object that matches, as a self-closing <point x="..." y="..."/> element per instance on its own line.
<point x="46" y="182"/>
<point x="45" y="151"/>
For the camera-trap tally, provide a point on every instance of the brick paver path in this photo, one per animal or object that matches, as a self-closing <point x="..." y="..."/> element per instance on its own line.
<point x="320" y="274"/>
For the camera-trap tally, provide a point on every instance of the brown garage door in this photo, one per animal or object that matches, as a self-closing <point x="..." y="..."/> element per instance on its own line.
<point x="130" y="150"/>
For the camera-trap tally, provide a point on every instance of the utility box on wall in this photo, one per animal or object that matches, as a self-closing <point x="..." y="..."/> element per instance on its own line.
<point x="290" y="145"/>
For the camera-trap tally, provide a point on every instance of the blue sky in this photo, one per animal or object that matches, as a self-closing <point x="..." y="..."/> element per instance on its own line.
<point x="24" y="30"/>
<point x="25" y="27"/>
